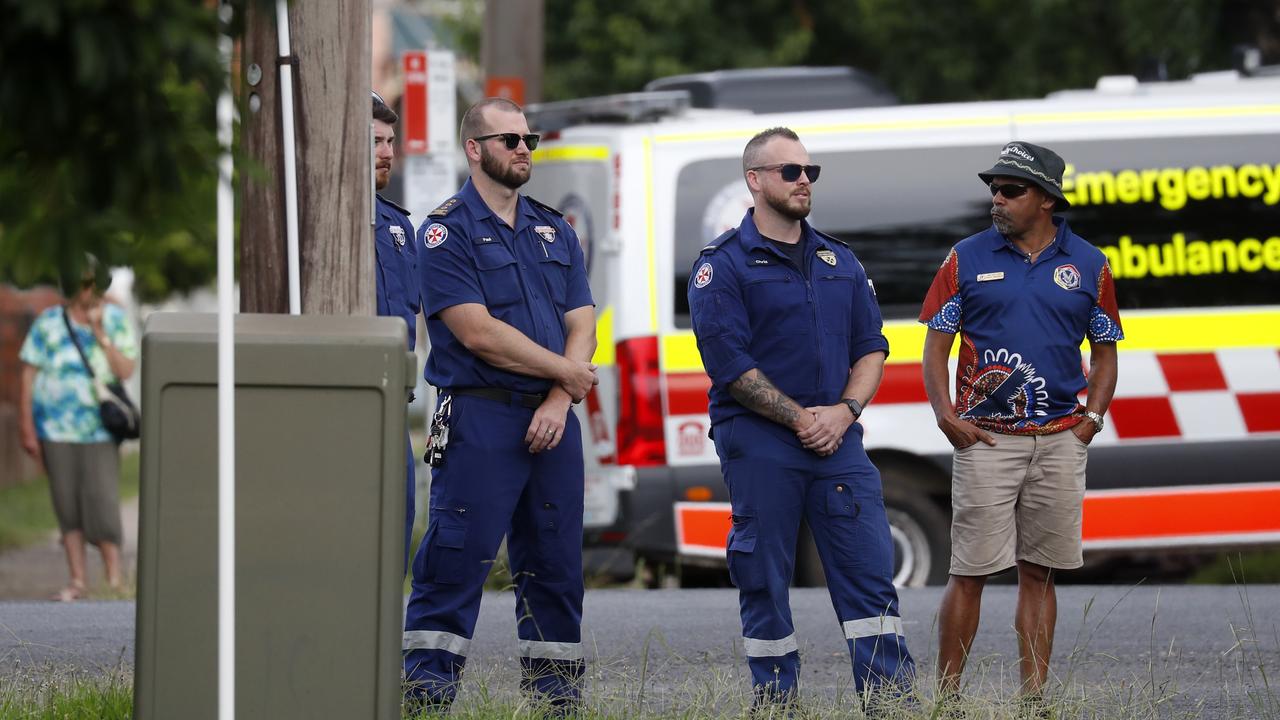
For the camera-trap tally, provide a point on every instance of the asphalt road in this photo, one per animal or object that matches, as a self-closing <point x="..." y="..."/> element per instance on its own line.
<point x="1177" y="651"/>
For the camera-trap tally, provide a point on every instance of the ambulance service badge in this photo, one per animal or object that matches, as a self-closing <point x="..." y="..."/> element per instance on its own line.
<point x="435" y="234"/>
<point x="703" y="278"/>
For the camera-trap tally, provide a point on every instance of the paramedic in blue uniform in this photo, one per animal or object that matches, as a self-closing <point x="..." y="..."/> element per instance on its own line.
<point x="512" y="329"/>
<point x="1022" y="295"/>
<point x="790" y="333"/>
<point x="396" y="258"/>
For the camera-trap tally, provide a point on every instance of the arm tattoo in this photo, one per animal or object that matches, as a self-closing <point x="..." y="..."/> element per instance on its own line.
<point x="758" y="394"/>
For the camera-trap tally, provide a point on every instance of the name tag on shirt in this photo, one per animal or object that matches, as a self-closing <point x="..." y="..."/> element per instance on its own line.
<point x="987" y="277"/>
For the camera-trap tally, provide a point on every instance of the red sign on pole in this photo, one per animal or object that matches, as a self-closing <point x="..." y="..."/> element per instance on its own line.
<point x="511" y="88"/>
<point x="414" y="108"/>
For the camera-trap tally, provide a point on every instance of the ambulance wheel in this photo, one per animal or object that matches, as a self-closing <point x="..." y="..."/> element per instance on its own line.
<point x="920" y="529"/>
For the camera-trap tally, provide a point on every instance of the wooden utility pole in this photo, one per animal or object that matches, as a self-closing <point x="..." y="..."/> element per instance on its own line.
<point x="330" y="41"/>
<point x="511" y="49"/>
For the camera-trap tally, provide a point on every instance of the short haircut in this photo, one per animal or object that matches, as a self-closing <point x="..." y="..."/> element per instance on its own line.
<point x="751" y="154"/>
<point x="381" y="111"/>
<point x="473" y="121"/>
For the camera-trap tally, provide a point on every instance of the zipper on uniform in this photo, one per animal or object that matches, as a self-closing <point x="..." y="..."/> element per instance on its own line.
<point x="817" y="321"/>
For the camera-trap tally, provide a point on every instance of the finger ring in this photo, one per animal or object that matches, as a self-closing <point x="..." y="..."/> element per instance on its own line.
<point x="551" y="431"/>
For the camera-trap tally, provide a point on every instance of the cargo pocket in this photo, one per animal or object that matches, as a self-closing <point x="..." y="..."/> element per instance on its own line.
<point x="845" y="526"/>
<point x="744" y="564"/>
<point x="445" y="555"/>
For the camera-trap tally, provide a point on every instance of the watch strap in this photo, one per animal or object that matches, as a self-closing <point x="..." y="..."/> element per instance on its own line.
<point x="854" y="406"/>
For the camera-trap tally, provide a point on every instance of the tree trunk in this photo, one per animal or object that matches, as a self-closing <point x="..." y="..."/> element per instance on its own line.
<point x="330" y="40"/>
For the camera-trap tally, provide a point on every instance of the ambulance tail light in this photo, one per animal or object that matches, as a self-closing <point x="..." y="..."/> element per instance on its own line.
<point x="640" y="420"/>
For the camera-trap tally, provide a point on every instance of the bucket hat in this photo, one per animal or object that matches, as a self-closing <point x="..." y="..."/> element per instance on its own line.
<point x="1040" y="165"/>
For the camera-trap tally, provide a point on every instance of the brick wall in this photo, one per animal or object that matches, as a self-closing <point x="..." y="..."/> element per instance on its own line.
<point x="17" y="309"/>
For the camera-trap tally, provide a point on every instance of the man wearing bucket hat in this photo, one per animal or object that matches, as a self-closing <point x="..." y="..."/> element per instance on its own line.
<point x="1022" y="295"/>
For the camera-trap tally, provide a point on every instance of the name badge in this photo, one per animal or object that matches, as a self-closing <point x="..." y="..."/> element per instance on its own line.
<point x="986" y="277"/>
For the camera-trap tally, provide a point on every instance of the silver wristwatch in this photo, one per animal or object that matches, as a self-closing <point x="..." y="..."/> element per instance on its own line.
<point x="1096" y="418"/>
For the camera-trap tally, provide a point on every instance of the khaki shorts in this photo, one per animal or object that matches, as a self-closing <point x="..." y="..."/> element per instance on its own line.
<point x="1020" y="500"/>
<point x="84" y="479"/>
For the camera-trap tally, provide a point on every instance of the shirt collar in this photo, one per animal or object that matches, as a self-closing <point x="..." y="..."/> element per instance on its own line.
<point x="1064" y="239"/>
<point x="525" y="214"/>
<point x="752" y="239"/>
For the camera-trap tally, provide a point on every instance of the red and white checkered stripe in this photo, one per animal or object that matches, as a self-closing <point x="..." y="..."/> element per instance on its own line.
<point x="1205" y="396"/>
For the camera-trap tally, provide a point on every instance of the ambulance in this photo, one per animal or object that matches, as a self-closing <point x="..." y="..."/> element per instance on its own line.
<point x="1177" y="182"/>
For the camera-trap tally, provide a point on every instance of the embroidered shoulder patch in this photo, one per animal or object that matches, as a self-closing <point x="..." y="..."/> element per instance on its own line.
<point x="435" y="234"/>
<point x="703" y="277"/>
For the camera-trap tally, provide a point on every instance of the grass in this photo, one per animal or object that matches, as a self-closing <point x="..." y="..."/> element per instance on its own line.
<point x="26" y="510"/>
<point x="1254" y="567"/>
<point x="658" y="684"/>
<point x="54" y="694"/>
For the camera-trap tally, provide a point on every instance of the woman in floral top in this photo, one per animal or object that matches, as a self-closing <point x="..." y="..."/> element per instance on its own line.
<point x="61" y="425"/>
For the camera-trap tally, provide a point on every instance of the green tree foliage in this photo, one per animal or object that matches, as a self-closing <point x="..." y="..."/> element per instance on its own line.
<point x="107" y="139"/>
<point x="595" y="47"/>
<point x="986" y="49"/>
<point x="925" y="50"/>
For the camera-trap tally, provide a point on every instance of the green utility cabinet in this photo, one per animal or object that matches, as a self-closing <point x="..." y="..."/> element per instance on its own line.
<point x="320" y="507"/>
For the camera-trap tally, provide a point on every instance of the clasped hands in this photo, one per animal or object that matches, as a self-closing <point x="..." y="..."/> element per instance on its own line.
<point x="821" y="428"/>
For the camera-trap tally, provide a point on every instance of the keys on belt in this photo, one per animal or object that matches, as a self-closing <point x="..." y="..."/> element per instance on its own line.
<point x="438" y="441"/>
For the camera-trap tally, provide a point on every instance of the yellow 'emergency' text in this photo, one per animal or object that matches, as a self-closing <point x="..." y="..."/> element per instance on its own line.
<point x="1172" y="187"/>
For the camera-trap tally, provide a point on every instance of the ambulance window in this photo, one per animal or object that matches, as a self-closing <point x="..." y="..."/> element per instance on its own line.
<point x="1186" y="221"/>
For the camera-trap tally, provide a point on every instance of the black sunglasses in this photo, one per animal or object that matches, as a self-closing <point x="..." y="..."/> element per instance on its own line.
<point x="512" y="140"/>
<point x="1009" y="190"/>
<point x="790" y="172"/>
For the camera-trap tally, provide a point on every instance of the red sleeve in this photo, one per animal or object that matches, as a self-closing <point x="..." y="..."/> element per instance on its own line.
<point x="1104" y="321"/>
<point x="941" y="309"/>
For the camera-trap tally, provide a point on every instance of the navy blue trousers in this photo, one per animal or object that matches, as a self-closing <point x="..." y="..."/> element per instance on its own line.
<point x="773" y="482"/>
<point x="489" y="486"/>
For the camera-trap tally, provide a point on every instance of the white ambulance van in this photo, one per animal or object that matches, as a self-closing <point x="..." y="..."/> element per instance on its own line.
<point x="1177" y="182"/>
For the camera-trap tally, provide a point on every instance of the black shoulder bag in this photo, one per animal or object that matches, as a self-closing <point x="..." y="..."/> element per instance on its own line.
<point x="119" y="415"/>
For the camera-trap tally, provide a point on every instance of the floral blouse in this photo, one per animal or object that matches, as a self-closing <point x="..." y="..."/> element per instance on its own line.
<point x="63" y="400"/>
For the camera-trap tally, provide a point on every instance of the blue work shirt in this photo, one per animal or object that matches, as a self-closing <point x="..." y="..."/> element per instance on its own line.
<point x="753" y="308"/>
<point x="527" y="277"/>
<point x="1021" y="324"/>
<point x="396" y="258"/>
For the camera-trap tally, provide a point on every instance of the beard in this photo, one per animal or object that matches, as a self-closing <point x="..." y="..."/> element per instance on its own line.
<point x="509" y="176"/>
<point x="382" y="178"/>
<point x="1004" y="225"/>
<point x="789" y="205"/>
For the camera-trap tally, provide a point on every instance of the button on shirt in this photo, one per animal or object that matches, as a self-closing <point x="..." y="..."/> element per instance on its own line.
<point x="752" y="307"/>
<point x="396" y="256"/>
<point x="528" y="277"/>
<point x="1021" y="325"/>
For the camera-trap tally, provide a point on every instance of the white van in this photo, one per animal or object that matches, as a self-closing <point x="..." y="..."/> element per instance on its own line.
<point x="1179" y="183"/>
